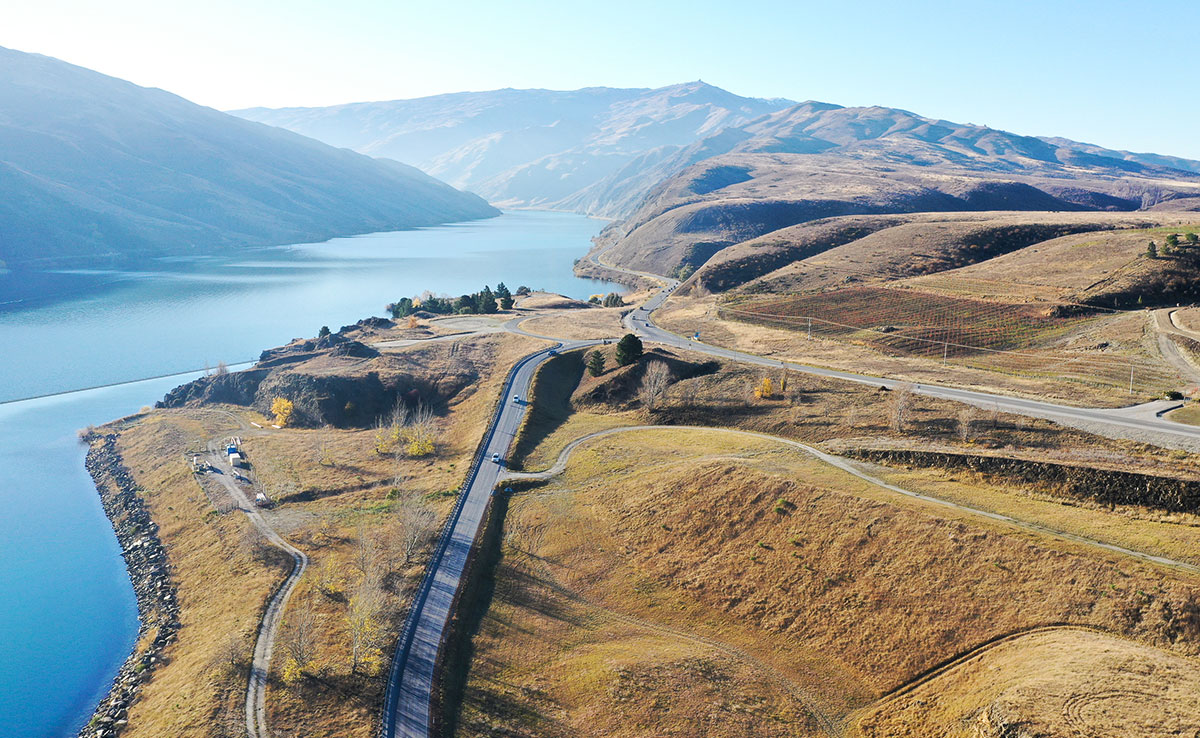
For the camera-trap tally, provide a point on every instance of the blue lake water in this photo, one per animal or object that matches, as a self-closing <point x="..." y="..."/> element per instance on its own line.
<point x="67" y="612"/>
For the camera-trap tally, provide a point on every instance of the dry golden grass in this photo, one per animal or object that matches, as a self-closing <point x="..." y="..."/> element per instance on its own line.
<point x="1053" y="683"/>
<point x="581" y="324"/>
<point x="1127" y="334"/>
<point x="1189" y="414"/>
<point x="221" y="586"/>
<point x="549" y="301"/>
<point x="903" y="245"/>
<point x="1188" y="318"/>
<point x="831" y="588"/>
<point x="1070" y="268"/>
<point x="1155" y="532"/>
<point x="334" y="491"/>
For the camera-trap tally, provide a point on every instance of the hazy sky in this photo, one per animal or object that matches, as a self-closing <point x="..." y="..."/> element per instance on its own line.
<point x="1123" y="74"/>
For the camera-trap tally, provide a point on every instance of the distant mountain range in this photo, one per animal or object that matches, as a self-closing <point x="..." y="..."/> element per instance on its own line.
<point x="93" y="168"/>
<point x="528" y="148"/>
<point x="601" y="151"/>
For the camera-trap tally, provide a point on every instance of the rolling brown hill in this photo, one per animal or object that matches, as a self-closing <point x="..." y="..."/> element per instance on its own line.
<point x="733" y="198"/>
<point x="1094" y="254"/>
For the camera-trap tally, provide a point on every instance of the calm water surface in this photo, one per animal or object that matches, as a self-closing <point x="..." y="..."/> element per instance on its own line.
<point x="67" y="613"/>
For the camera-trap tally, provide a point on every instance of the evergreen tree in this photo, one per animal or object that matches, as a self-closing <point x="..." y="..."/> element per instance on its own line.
<point x="1173" y="241"/>
<point x="465" y="304"/>
<point x="595" y="363"/>
<point x="486" y="301"/>
<point x="323" y="332"/>
<point x="504" y="296"/>
<point x="1152" y="250"/>
<point x="1191" y="238"/>
<point x="629" y="349"/>
<point x="612" y="299"/>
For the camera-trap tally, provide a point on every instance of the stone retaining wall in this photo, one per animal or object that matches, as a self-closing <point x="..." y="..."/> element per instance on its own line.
<point x="150" y="573"/>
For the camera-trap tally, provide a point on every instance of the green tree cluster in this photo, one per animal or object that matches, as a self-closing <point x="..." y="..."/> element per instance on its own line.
<point x="612" y="299"/>
<point x="484" y="301"/>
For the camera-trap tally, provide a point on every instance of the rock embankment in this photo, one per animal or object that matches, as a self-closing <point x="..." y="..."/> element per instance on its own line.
<point x="150" y="573"/>
<point x="1106" y="486"/>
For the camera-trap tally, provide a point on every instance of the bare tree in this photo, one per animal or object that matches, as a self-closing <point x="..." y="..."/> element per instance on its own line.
<point x="324" y="449"/>
<point x="853" y="413"/>
<point x="688" y="392"/>
<point x="363" y="617"/>
<point x="901" y="407"/>
<point x="231" y="654"/>
<point x="655" y="382"/>
<point x="368" y="558"/>
<point x="299" y="634"/>
<point x="966" y="423"/>
<point x="420" y="432"/>
<point x="416" y="523"/>
<point x="254" y="544"/>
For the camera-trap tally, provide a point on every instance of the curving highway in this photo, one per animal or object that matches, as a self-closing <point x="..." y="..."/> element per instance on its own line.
<point x="407" y="705"/>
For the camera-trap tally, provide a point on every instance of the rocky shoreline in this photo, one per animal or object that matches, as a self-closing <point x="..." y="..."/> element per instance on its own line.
<point x="150" y="573"/>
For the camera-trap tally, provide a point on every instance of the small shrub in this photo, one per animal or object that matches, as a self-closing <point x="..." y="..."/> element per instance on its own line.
<point x="282" y="408"/>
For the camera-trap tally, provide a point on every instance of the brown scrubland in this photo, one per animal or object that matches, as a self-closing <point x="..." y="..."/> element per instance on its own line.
<point x="735" y="585"/>
<point x="365" y="514"/>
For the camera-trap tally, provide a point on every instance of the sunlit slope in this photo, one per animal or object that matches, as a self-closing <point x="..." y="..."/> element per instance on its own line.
<point x="92" y="167"/>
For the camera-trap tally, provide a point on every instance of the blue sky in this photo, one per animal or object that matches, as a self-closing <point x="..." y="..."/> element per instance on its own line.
<point x="1120" y="74"/>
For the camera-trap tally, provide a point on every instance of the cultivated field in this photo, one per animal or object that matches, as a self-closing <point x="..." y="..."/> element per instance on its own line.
<point x="1089" y="367"/>
<point x="1033" y="340"/>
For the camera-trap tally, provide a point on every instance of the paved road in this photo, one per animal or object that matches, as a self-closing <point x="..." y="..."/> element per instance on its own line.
<point x="850" y="467"/>
<point x="1130" y="422"/>
<point x="407" y="703"/>
<point x="264" y="644"/>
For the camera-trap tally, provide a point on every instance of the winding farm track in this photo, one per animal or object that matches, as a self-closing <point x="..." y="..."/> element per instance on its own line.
<point x="272" y="618"/>
<point x="851" y="468"/>
<point x="264" y="644"/>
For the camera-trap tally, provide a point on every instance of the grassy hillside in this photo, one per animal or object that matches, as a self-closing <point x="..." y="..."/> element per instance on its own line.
<point x="733" y="198"/>
<point x="870" y="248"/>
<point x="1058" y="682"/>
<point x="684" y="582"/>
<point x="1102" y="268"/>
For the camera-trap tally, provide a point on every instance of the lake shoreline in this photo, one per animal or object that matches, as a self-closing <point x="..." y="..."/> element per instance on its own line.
<point x="149" y="573"/>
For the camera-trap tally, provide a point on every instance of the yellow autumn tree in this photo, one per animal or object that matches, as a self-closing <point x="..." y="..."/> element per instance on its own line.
<point x="282" y="408"/>
<point x="766" y="390"/>
<point x="291" y="671"/>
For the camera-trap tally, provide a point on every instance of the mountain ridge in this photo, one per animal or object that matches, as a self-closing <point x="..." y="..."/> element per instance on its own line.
<point x="94" y="168"/>
<point x="525" y="148"/>
<point x="584" y="177"/>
